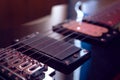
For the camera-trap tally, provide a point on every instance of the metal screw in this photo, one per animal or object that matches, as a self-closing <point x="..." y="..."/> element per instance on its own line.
<point x="114" y="32"/>
<point x="3" y="70"/>
<point x="108" y="35"/>
<point x="9" y="74"/>
<point x="75" y="56"/>
<point x="103" y="40"/>
<point x="67" y="62"/>
<point x="17" y="40"/>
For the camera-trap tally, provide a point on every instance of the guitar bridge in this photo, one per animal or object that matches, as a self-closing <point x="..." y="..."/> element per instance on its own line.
<point x="17" y="66"/>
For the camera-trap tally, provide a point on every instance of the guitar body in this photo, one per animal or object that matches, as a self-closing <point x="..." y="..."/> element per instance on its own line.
<point x="28" y="58"/>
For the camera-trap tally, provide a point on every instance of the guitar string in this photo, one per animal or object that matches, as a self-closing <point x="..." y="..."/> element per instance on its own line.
<point x="49" y="44"/>
<point x="52" y="43"/>
<point x="9" y="56"/>
<point x="59" y="45"/>
<point x="18" y="47"/>
<point x="64" y="44"/>
<point x="56" y="41"/>
<point x="49" y="59"/>
<point x="23" y="41"/>
<point x="37" y="44"/>
<point x="48" y="33"/>
<point x="63" y="50"/>
<point x="17" y="43"/>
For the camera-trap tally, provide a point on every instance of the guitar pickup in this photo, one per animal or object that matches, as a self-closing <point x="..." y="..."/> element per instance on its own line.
<point x="90" y="32"/>
<point x="57" y="54"/>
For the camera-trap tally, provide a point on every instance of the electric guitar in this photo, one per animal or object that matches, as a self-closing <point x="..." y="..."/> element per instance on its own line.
<point x="29" y="58"/>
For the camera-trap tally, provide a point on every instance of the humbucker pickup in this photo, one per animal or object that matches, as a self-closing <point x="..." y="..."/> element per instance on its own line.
<point x="90" y="32"/>
<point x="58" y="54"/>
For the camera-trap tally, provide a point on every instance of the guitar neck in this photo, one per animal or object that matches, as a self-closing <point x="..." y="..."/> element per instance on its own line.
<point x="108" y="16"/>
